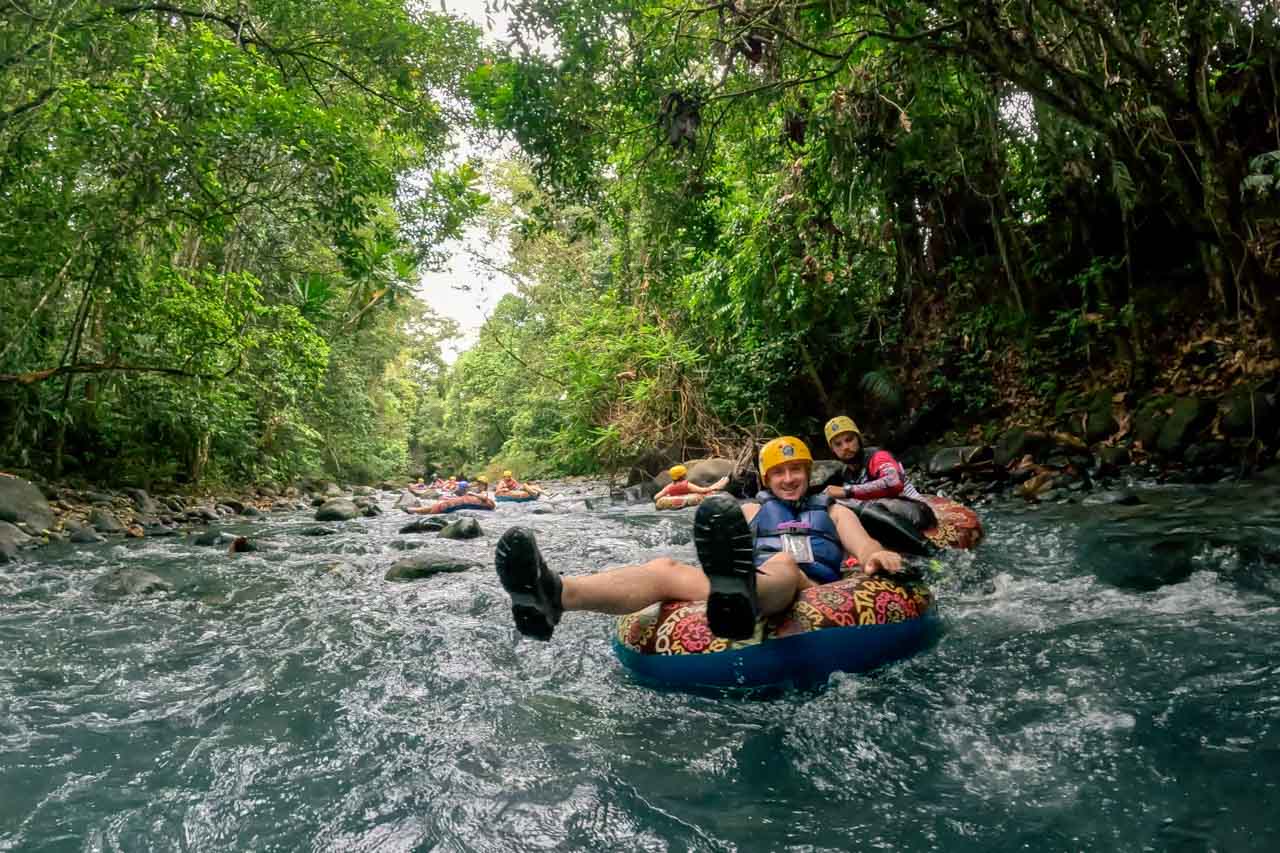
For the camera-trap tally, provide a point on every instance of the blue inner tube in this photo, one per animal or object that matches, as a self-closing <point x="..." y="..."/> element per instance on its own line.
<point x="851" y="625"/>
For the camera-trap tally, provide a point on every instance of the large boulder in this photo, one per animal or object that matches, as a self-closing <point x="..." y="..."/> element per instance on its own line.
<point x="421" y="566"/>
<point x="143" y="502"/>
<point x="11" y="539"/>
<point x="105" y="521"/>
<point x="337" y="509"/>
<point x="1020" y="441"/>
<point x="22" y="503"/>
<point x="1249" y="414"/>
<point x="119" y="583"/>
<point x="462" y="528"/>
<point x="823" y="470"/>
<point x="957" y="461"/>
<point x="705" y="472"/>
<point x="1149" y="419"/>
<point x="407" y="500"/>
<point x="1188" y="416"/>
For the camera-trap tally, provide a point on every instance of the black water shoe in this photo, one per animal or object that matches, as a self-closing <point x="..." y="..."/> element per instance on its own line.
<point x="534" y="588"/>
<point x="726" y="550"/>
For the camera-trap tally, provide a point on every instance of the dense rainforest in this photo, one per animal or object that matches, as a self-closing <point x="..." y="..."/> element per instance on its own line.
<point x="723" y="218"/>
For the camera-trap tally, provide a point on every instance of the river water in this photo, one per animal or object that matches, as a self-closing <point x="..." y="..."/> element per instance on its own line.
<point x="1109" y="678"/>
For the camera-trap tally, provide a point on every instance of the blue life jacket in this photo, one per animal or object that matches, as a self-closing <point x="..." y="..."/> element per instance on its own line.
<point x="828" y="553"/>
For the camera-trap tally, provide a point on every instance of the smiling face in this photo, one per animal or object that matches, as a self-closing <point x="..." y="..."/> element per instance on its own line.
<point x="789" y="480"/>
<point x="846" y="446"/>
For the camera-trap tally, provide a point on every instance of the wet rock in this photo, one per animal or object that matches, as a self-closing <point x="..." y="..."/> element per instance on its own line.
<point x="362" y="491"/>
<point x="99" y="497"/>
<point x="250" y="511"/>
<point x="1249" y="414"/>
<point x="421" y="566"/>
<point x="135" y="531"/>
<point x="143" y="502"/>
<point x="317" y="530"/>
<point x="282" y="506"/>
<point x="642" y="492"/>
<point x="956" y="461"/>
<point x="224" y="510"/>
<point x="370" y="510"/>
<point x="462" y="528"/>
<point x="104" y="521"/>
<point x="1019" y="442"/>
<point x="1208" y="454"/>
<point x="85" y="536"/>
<point x="337" y="509"/>
<point x="234" y="505"/>
<point x="174" y="503"/>
<point x="319" y="501"/>
<point x="426" y="524"/>
<point x="332" y="490"/>
<point x="407" y="544"/>
<point x="824" y="470"/>
<point x="407" y="500"/>
<point x="119" y="583"/>
<point x="1113" y="457"/>
<point x="21" y="501"/>
<point x="159" y="529"/>
<point x="11" y="539"/>
<point x="202" y="513"/>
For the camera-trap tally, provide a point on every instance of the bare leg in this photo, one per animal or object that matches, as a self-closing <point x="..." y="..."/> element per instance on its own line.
<point x="630" y="588"/>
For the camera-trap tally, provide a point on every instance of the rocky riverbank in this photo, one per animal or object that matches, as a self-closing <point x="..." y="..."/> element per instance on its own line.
<point x="34" y="512"/>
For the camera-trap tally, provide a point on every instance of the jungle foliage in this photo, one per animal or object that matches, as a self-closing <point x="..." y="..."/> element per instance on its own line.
<point x="212" y="216"/>
<point x="777" y="209"/>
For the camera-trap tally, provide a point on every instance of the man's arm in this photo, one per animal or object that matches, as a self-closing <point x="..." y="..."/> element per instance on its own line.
<point x="855" y="539"/>
<point x="889" y="481"/>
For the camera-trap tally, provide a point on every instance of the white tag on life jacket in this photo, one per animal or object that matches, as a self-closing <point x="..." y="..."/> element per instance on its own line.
<point x="798" y="546"/>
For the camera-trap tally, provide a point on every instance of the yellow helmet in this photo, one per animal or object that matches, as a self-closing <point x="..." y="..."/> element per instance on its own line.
<point x="840" y="424"/>
<point x="678" y="471"/>
<point x="787" y="448"/>
<point x="482" y="479"/>
<point x="506" y="475"/>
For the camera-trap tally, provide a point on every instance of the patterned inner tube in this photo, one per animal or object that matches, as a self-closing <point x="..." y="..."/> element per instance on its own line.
<point x="850" y="625"/>
<point x="958" y="526"/>
<point x="680" y="627"/>
<point x="516" y="496"/>
<point x="678" y="501"/>
<point x="458" y="502"/>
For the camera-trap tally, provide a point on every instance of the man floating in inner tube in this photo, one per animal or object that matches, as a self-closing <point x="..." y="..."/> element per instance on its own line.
<point x="874" y="485"/>
<point x="691" y="494"/>
<point x="754" y="558"/>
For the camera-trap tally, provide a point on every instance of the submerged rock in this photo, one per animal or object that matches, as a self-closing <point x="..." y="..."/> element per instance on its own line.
<point x="462" y="528"/>
<point x="11" y="539"/>
<point x="85" y="536"/>
<point x="337" y="509"/>
<point x="119" y="583"/>
<point x="425" y="565"/>
<point x="317" y="530"/>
